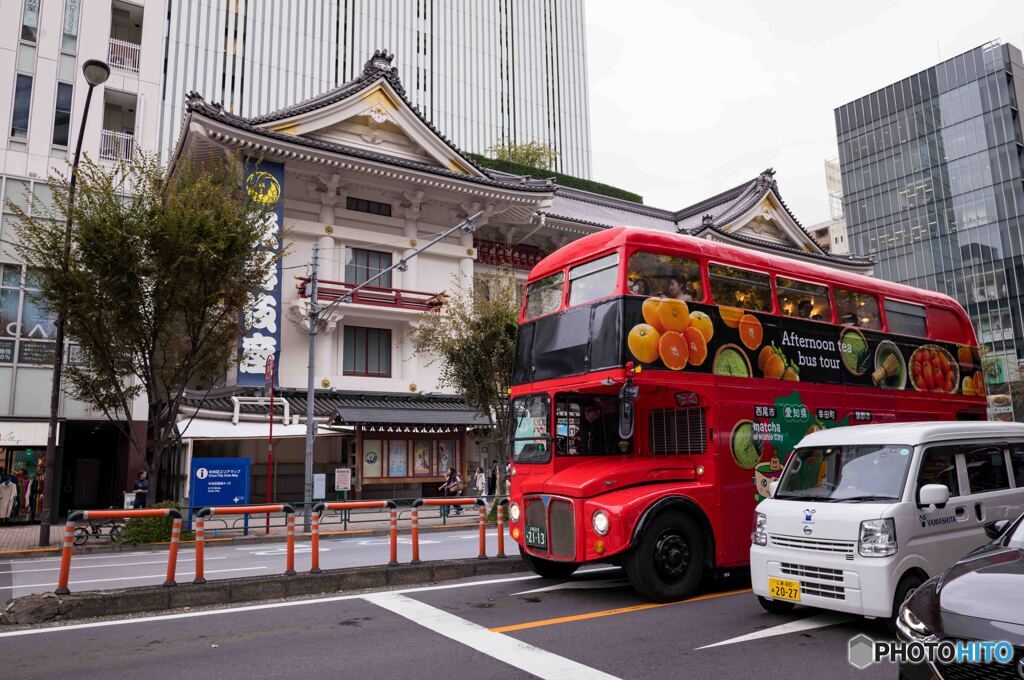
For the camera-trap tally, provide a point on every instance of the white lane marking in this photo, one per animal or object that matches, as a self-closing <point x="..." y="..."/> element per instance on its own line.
<point x="108" y="566"/>
<point x="128" y="578"/>
<point x="580" y="585"/>
<point x="811" y="622"/>
<point x="249" y="608"/>
<point x="516" y="653"/>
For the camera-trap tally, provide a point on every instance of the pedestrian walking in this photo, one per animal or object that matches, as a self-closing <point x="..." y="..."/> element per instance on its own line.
<point x="141" y="487"/>
<point x="452" y="487"/>
<point x="480" y="484"/>
<point x="492" y="480"/>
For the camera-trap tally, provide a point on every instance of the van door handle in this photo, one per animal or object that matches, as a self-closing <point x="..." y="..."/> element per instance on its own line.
<point x="979" y="512"/>
<point x="961" y="512"/>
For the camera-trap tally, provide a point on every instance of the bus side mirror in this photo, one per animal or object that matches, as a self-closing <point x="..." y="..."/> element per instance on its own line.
<point x="626" y="419"/>
<point x="936" y="495"/>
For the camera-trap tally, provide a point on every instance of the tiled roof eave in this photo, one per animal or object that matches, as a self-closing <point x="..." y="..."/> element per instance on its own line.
<point x="850" y="261"/>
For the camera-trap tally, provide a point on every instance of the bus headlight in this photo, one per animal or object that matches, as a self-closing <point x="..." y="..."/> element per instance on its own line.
<point x="513" y="511"/>
<point x="758" y="535"/>
<point x="600" y="522"/>
<point x="877" y="538"/>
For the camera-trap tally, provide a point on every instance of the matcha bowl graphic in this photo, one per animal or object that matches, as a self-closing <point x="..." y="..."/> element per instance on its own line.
<point x="742" y="444"/>
<point x="731" y="360"/>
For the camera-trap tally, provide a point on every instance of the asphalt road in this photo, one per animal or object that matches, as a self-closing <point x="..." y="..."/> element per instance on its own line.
<point x="230" y="560"/>
<point x="591" y="626"/>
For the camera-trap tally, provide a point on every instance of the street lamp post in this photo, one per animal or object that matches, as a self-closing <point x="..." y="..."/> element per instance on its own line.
<point x="96" y="73"/>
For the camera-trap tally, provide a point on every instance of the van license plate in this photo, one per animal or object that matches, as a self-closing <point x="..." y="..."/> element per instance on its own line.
<point x="536" y="537"/>
<point x="784" y="589"/>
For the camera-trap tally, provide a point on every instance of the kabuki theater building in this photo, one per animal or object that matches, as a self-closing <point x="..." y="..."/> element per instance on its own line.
<point x="362" y="173"/>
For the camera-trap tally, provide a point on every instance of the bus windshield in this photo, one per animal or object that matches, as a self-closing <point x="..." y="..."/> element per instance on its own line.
<point x="586" y="425"/>
<point x="530" y="443"/>
<point x="845" y="473"/>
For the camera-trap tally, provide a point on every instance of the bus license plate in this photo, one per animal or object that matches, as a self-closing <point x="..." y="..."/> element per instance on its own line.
<point x="536" y="538"/>
<point x="784" y="589"/>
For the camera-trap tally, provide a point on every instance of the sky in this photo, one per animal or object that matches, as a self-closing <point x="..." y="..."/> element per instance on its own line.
<point x="688" y="99"/>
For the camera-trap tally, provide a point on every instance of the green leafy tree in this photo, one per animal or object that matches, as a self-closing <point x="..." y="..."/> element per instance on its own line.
<point x="532" y="154"/>
<point x="473" y="336"/>
<point x="163" y="263"/>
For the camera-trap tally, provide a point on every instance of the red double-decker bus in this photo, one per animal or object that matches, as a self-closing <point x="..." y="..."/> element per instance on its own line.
<point x="661" y="381"/>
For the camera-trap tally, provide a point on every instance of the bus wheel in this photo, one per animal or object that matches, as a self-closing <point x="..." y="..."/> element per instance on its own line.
<point x="549" y="569"/>
<point x="775" y="606"/>
<point x="668" y="562"/>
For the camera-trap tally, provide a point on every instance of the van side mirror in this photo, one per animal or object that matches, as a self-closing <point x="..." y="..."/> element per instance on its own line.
<point x="772" y="488"/>
<point x="627" y="417"/>
<point x="933" y="494"/>
<point x="995" y="529"/>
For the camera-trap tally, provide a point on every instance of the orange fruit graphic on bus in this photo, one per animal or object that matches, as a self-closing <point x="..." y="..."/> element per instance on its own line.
<point x="751" y="332"/>
<point x="766" y="353"/>
<point x="697" y="345"/>
<point x="774" y="367"/>
<point x="964" y="355"/>
<point x="731" y="316"/>
<point x="643" y="342"/>
<point x="673" y="350"/>
<point x="674" y="315"/>
<point x="650" y="311"/>
<point x="967" y="386"/>
<point x="702" y="322"/>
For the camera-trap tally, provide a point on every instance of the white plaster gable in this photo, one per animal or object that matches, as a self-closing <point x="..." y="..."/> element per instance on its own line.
<point x="767" y="220"/>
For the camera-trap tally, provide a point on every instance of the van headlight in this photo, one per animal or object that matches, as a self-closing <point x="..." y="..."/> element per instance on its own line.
<point x="600" y="522"/>
<point x="513" y="511"/>
<point x="877" y="538"/>
<point x="758" y="535"/>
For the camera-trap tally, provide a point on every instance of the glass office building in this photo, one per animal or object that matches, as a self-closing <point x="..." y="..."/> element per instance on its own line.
<point x="932" y="171"/>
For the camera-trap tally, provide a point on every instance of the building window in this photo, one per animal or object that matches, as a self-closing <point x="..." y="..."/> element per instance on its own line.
<point x="362" y="265"/>
<point x="372" y="207"/>
<point x="367" y="352"/>
<point x="30" y="21"/>
<point x="23" y="318"/>
<point x="69" y="41"/>
<point x="62" y="114"/>
<point x="22" y="105"/>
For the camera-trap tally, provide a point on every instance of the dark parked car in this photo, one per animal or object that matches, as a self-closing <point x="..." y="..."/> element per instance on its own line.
<point x="981" y="597"/>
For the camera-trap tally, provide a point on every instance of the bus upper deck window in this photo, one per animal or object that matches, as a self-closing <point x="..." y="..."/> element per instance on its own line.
<point x="905" y="318"/>
<point x="664" y="275"/>
<point x="803" y="300"/>
<point x="857" y="309"/>
<point x="544" y="296"/>
<point x="740" y="288"/>
<point x="593" y="280"/>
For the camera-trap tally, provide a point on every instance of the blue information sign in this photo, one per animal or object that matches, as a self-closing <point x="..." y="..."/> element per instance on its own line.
<point x="219" y="481"/>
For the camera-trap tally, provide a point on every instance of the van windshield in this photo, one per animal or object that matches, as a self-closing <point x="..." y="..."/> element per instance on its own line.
<point x="852" y="474"/>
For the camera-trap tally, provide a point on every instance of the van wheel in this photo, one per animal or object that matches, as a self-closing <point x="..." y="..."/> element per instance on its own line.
<point x="668" y="562"/>
<point x="775" y="606"/>
<point x="549" y="569"/>
<point x="908" y="584"/>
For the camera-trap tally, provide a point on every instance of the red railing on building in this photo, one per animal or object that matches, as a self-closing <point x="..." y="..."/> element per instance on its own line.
<point x="506" y="255"/>
<point x="400" y="298"/>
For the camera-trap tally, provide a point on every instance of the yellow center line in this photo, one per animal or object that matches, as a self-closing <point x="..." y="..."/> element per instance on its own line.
<point x="612" y="612"/>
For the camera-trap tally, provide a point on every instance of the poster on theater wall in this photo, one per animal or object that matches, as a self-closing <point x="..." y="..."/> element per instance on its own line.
<point x="372" y="457"/>
<point x="398" y="458"/>
<point x="422" y="459"/>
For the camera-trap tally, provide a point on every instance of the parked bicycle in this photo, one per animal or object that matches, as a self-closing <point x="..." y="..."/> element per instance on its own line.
<point x="95" y="529"/>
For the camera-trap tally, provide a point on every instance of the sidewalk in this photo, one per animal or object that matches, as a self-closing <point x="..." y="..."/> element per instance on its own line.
<point x="24" y="539"/>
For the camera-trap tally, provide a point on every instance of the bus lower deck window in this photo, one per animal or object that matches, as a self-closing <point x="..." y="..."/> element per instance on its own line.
<point x="665" y="276"/>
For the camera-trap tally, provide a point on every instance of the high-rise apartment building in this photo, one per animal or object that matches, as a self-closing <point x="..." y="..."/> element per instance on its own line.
<point x="831" y="233"/>
<point x="932" y="171"/>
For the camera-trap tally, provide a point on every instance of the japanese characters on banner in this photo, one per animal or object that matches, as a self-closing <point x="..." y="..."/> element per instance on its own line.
<point x="261" y="333"/>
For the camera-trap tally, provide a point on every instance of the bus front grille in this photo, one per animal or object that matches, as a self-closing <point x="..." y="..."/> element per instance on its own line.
<point x="563" y="529"/>
<point x="550" y="527"/>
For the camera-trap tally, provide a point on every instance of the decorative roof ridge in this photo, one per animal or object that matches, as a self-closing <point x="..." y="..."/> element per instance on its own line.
<point x="216" y="112"/>
<point x="585" y="196"/>
<point x="844" y="259"/>
<point x="717" y="199"/>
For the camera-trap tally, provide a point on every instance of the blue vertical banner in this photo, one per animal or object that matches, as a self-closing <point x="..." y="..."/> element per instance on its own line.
<point x="261" y="324"/>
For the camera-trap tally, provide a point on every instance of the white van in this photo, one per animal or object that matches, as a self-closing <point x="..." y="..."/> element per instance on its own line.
<point x="863" y="515"/>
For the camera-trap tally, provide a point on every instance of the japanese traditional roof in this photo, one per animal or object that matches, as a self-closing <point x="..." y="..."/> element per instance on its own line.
<point x="352" y="408"/>
<point x="377" y="68"/>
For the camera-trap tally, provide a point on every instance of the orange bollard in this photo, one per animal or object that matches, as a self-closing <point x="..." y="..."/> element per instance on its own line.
<point x="501" y="530"/>
<point x="65" y="558"/>
<point x="172" y="552"/>
<point x="290" y="570"/>
<point x="315" y="540"/>
<point x="483" y="532"/>
<point x="415" y="535"/>
<point x="200" y="549"/>
<point x="393" y="514"/>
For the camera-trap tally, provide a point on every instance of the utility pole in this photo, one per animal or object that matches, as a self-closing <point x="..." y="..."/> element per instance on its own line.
<point x="316" y="314"/>
<point x="314" y="320"/>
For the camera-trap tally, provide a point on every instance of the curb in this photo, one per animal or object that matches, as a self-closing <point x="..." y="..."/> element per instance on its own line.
<point x="112" y="548"/>
<point x="47" y="607"/>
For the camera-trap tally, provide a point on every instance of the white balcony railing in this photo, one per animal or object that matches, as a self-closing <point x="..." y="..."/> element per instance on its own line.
<point x="124" y="55"/>
<point x="117" y="146"/>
